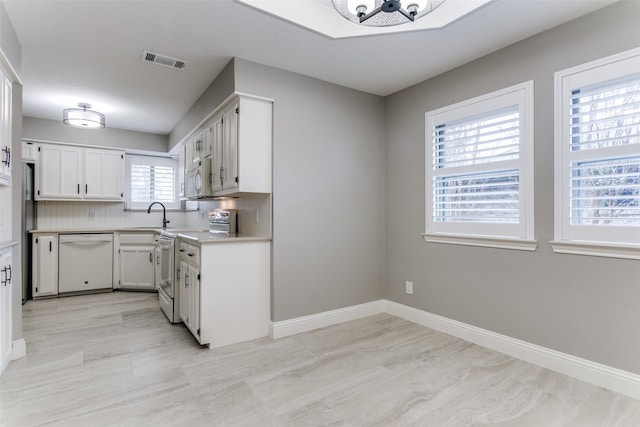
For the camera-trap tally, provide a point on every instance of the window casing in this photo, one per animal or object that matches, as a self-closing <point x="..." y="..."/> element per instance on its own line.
<point x="597" y="148"/>
<point x="479" y="171"/>
<point x="150" y="179"/>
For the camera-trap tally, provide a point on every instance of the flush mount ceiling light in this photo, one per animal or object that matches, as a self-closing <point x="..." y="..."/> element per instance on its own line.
<point x="82" y="117"/>
<point x="384" y="13"/>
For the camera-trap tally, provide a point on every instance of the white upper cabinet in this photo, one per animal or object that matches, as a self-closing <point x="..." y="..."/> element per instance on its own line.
<point x="59" y="172"/>
<point x="66" y="172"/>
<point x="216" y="155"/>
<point x="241" y="139"/>
<point x="6" y="157"/>
<point x="197" y="149"/>
<point x="103" y="174"/>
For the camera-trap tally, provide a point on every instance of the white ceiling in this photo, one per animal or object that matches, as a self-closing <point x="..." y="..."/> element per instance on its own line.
<point x="89" y="51"/>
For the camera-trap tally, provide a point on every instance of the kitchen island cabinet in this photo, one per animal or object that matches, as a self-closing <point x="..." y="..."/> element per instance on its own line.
<point x="225" y="289"/>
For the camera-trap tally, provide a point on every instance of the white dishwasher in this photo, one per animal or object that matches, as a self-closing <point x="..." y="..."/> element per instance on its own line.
<point x="85" y="262"/>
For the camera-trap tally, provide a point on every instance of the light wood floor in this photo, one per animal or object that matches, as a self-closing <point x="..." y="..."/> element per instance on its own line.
<point x="113" y="359"/>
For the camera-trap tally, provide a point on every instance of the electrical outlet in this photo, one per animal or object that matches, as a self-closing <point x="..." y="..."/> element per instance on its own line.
<point x="409" y="287"/>
<point x="92" y="216"/>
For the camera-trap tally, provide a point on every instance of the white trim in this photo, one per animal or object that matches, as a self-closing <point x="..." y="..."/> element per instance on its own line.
<point x="465" y="233"/>
<point x="620" y="381"/>
<point x="594" y="240"/>
<point x="285" y="328"/>
<point x="488" y="242"/>
<point x="19" y="349"/>
<point x="596" y="249"/>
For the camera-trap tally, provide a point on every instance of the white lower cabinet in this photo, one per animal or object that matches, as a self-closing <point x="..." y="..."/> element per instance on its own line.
<point x="225" y="291"/>
<point x="189" y="280"/>
<point x="6" y="288"/>
<point x="45" y="265"/>
<point x="135" y="261"/>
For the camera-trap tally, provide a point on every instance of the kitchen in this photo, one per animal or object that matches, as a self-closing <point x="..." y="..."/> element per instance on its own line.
<point x="346" y="205"/>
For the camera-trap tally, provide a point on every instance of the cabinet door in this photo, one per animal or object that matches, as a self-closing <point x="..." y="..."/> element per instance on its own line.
<point x="137" y="267"/>
<point x="104" y="170"/>
<point x="6" y="288"/>
<point x="230" y="148"/>
<point x="45" y="265"/>
<point x="190" y="297"/>
<point x="205" y="142"/>
<point x="184" y="295"/>
<point x="216" y="155"/>
<point x="5" y="131"/>
<point x="59" y="172"/>
<point x="181" y="170"/>
<point x="193" y="320"/>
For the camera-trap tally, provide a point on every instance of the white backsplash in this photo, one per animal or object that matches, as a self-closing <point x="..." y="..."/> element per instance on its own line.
<point x="254" y="215"/>
<point x="99" y="215"/>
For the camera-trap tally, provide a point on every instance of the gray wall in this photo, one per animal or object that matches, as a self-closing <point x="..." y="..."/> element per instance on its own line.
<point x="56" y="131"/>
<point x="219" y="89"/>
<point x="584" y="306"/>
<point x="328" y="199"/>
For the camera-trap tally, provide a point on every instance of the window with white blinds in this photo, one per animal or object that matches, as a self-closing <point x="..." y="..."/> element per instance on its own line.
<point x="479" y="170"/>
<point x="598" y="156"/>
<point x="151" y="179"/>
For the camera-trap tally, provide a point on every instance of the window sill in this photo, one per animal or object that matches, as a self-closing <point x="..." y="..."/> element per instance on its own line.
<point x="489" y="242"/>
<point x="609" y="250"/>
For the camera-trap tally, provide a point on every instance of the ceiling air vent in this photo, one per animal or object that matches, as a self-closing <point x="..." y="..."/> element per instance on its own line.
<point x="164" y="60"/>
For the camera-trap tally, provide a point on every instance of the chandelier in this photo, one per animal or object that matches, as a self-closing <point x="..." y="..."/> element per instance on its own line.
<point x="383" y="13"/>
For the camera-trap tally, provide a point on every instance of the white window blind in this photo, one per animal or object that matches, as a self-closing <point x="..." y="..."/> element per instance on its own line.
<point x="479" y="168"/>
<point x="598" y="154"/>
<point x="606" y="189"/>
<point x="488" y="145"/>
<point x="151" y="179"/>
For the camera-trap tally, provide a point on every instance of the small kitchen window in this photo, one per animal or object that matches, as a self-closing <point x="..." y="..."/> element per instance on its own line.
<point x="597" y="194"/>
<point x="479" y="171"/>
<point x="150" y="179"/>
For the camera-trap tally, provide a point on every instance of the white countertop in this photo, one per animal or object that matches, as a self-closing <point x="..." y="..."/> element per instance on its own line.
<point x="207" y="237"/>
<point x="187" y="233"/>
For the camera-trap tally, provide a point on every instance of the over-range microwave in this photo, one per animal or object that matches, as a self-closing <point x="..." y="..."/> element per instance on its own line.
<point x="197" y="182"/>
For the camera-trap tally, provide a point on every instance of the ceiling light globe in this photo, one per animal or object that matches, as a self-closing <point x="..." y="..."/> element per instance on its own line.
<point x="356" y="6"/>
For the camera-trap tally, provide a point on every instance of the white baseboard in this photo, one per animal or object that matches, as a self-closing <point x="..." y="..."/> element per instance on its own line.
<point x="601" y="375"/>
<point x="19" y="349"/>
<point x="285" y="328"/>
<point x="614" y="379"/>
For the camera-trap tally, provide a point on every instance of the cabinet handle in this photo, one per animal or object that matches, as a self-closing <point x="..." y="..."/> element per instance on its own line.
<point x="190" y="254"/>
<point x="78" y="188"/>
<point x="221" y="175"/>
<point x="4" y="273"/>
<point x="50" y="246"/>
<point x="7" y="156"/>
<point x="186" y="280"/>
<point x="86" y="188"/>
<point x="150" y="257"/>
<point x="9" y="279"/>
<point x="158" y="260"/>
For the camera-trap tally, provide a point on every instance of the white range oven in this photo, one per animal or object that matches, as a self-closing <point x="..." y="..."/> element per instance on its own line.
<point x="165" y="278"/>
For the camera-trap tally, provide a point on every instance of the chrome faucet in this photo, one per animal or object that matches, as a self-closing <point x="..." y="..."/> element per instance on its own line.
<point x="164" y="214"/>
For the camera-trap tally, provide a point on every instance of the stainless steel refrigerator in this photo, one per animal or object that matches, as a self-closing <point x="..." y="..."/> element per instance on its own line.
<point x="28" y="223"/>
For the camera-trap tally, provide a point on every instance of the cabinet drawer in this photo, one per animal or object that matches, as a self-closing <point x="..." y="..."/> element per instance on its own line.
<point x="190" y="253"/>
